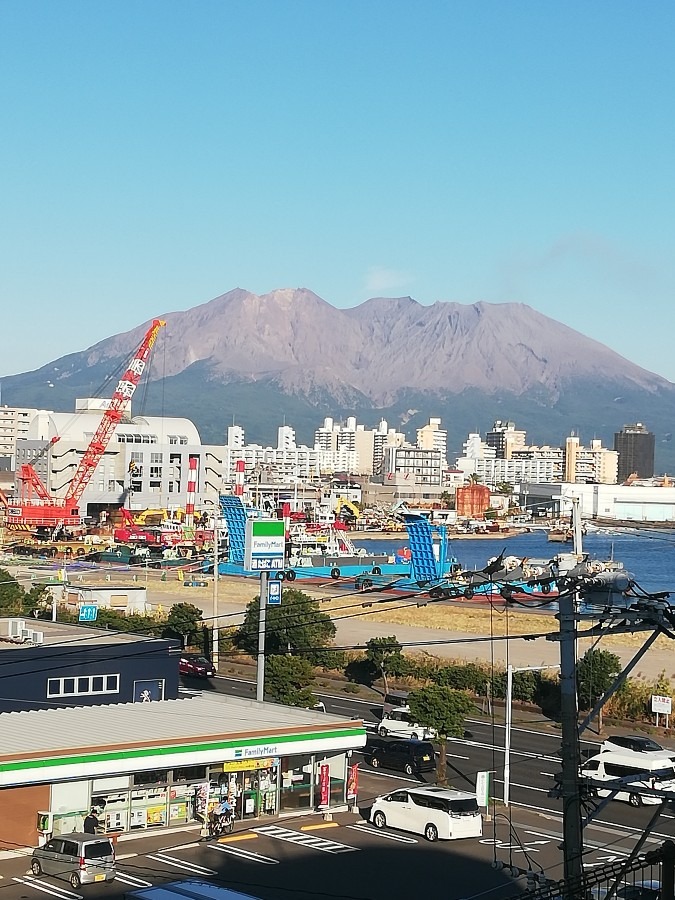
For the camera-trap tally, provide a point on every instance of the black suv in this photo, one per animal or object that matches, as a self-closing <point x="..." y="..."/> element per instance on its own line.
<point x="411" y="757"/>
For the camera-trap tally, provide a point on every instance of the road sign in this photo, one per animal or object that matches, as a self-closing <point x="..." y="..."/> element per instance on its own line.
<point x="265" y="546"/>
<point x="88" y="612"/>
<point x="274" y="592"/>
<point x="661" y="704"/>
<point x="483" y="788"/>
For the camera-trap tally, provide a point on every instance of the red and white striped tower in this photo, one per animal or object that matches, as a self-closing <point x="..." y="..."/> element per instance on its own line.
<point x="239" y="478"/>
<point x="191" y="491"/>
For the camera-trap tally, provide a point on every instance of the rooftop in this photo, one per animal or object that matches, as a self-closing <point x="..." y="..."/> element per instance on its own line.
<point x="205" y="717"/>
<point x="17" y="632"/>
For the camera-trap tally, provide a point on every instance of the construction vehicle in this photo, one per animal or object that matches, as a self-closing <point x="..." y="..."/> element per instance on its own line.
<point x="36" y="506"/>
<point x="347" y="511"/>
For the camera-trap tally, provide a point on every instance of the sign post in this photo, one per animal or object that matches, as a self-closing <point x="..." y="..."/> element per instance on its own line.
<point x="274" y="592"/>
<point x="264" y="551"/>
<point x="483" y="789"/>
<point x="663" y="705"/>
<point x="87" y="612"/>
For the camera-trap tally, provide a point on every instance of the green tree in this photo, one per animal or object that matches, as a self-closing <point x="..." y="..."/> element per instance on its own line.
<point x="289" y="680"/>
<point x="384" y="652"/>
<point x="443" y="709"/>
<point x="298" y="624"/>
<point x="596" y="672"/>
<point x="12" y="595"/>
<point x="184" y="619"/>
<point x="37" y="598"/>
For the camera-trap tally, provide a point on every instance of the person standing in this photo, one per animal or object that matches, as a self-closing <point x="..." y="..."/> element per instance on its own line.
<point x="91" y="823"/>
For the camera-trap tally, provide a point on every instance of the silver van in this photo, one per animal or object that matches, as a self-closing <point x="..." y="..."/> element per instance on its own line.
<point x="80" y="858"/>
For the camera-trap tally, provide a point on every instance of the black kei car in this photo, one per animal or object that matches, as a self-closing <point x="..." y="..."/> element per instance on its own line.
<point x="409" y="756"/>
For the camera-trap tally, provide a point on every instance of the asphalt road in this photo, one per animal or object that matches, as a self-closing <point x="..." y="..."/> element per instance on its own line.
<point x="346" y="859"/>
<point x="535" y="761"/>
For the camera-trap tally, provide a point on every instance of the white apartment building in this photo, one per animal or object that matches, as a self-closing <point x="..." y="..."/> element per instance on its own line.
<point x="573" y="463"/>
<point x="433" y="437"/>
<point x="145" y="465"/>
<point x="14" y="422"/>
<point x="275" y="465"/>
<point x="407" y="463"/>
<point x="594" y="464"/>
<point x="353" y="448"/>
<point x="236" y="437"/>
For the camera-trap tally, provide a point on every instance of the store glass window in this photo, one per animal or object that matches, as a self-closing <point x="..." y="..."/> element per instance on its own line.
<point x="189" y="773"/>
<point x="296" y="783"/>
<point x="153" y="776"/>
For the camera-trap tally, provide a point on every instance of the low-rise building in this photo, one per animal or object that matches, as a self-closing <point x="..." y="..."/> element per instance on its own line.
<point x="147" y="767"/>
<point x="47" y="665"/>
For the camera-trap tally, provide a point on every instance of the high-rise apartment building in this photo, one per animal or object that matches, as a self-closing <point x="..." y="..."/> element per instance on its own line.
<point x="353" y="448"/>
<point x="635" y="446"/>
<point x="433" y="437"/>
<point x="505" y="438"/>
<point x="589" y="465"/>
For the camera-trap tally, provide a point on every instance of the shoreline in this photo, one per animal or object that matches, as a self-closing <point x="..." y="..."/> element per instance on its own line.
<point x="451" y="535"/>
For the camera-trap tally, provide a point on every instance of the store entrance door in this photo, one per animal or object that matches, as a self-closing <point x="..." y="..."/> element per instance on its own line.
<point x="252" y="791"/>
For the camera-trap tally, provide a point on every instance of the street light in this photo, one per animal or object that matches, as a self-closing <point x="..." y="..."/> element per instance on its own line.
<point x="509" y="719"/>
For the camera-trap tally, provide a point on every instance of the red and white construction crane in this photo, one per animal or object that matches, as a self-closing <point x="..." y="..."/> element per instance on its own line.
<point x="36" y="506"/>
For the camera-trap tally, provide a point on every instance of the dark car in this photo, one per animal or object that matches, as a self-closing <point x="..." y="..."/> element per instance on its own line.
<point x="634" y="742"/>
<point x="197" y="666"/>
<point x="409" y="756"/>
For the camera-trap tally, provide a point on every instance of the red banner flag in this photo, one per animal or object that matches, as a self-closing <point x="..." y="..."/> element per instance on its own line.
<point x="353" y="782"/>
<point x="324" y="785"/>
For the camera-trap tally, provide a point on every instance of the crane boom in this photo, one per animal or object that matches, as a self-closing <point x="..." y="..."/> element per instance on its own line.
<point x="111" y="417"/>
<point x="47" y="510"/>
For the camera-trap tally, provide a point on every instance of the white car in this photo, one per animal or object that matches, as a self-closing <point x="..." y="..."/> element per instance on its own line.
<point x="399" y="723"/>
<point x="433" y="811"/>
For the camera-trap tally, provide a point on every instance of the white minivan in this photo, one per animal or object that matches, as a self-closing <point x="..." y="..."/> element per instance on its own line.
<point x="400" y="724"/>
<point x="433" y="811"/>
<point x="657" y="768"/>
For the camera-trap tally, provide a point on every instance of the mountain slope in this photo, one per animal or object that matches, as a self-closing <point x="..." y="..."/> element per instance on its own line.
<point x="292" y="353"/>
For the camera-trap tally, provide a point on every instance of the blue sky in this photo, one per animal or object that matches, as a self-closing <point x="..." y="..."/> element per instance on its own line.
<point x="158" y="154"/>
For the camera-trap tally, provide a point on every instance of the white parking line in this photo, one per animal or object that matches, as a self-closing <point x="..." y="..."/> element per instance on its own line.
<point x="305" y="840"/>
<point x="457" y="756"/>
<point x="244" y="854"/>
<point x="49" y="888"/>
<point x="383" y="834"/>
<point x="131" y="880"/>
<point x="180" y="864"/>
<point x="179" y="847"/>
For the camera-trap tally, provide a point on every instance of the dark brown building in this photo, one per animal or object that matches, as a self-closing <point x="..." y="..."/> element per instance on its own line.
<point x="635" y="446"/>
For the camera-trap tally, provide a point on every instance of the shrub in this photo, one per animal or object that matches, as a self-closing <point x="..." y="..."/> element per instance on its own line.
<point x="351" y="688"/>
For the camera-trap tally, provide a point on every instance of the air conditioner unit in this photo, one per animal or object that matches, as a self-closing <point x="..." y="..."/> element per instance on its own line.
<point x="16" y="627"/>
<point x="37" y="637"/>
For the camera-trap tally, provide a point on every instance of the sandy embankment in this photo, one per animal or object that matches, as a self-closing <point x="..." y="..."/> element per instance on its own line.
<point x="448" y="631"/>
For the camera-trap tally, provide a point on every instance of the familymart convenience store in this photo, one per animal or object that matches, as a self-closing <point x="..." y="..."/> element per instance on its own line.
<point x="149" y="766"/>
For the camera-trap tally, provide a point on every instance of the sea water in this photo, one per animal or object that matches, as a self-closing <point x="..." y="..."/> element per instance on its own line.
<point x="649" y="558"/>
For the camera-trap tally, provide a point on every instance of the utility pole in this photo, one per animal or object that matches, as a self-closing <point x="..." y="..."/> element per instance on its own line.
<point x="571" y="759"/>
<point x="260" y="669"/>
<point x="215" y="654"/>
